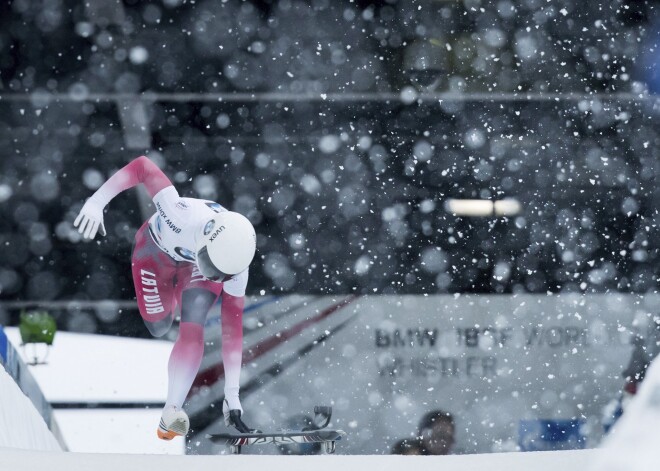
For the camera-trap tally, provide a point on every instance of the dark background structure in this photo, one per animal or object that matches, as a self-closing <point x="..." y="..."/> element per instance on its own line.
<point x="340" y="128"/>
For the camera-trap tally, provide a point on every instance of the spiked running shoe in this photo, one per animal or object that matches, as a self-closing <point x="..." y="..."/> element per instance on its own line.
<point x="173" y="423"/>
<point x="233" y="419"/>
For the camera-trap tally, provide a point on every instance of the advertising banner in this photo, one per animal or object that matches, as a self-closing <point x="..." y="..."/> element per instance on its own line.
<point x="512" y="370"/>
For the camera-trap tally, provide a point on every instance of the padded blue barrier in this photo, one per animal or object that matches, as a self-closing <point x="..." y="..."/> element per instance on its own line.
<point x="546" y="435"/>
<point x="3" y="346"/>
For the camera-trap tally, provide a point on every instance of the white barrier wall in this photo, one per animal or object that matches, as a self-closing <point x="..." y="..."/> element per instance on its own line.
<point x="26" y="418"/>
<point x="21" y="426"/>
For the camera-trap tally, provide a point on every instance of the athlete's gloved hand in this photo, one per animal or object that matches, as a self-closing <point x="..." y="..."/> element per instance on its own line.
<point x="90" y="219"/>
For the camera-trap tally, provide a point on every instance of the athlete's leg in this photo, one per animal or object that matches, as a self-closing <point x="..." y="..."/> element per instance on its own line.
<point x="154" y="280"/>
<point x="232" y="346"/>
<point x="199" y="295"/>
<point x="232" y="327"/>
<point x="188" y="350"/>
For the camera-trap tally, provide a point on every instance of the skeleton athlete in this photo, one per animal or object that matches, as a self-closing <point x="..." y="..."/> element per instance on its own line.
<point x="186" y="256"/>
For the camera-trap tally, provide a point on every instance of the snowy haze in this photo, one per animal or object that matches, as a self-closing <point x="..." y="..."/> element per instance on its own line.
<point x="341" y="129"/>
<point x="347" y="194"/>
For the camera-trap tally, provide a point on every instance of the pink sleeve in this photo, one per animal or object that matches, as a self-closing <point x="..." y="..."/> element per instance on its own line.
<point x="141" y="170"/>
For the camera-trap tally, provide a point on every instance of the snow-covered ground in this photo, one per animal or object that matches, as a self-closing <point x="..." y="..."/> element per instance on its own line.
<point x="534" y="461"/>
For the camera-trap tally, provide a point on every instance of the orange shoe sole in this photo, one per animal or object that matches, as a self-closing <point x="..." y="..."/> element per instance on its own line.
<point x="168" y="435"/>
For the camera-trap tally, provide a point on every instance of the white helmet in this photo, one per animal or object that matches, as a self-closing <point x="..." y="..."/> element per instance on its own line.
<point x="226" y="246"/>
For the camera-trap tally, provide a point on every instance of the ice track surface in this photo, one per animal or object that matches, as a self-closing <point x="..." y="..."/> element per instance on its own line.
<point x="20" y="460"/>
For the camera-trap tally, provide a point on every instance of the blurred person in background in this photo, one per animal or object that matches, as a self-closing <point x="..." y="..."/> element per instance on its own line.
<point x="407" y="446"/>
<point x="187" y="255"/>
<point x="437" y="433"/>
<point x="646" y="346"/>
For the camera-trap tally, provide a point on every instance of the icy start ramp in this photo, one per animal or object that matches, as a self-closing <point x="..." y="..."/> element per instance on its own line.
<point x="18" y="460"/>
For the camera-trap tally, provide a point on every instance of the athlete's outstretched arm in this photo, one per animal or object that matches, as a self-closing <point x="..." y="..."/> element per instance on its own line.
<point x="141" y="170"/>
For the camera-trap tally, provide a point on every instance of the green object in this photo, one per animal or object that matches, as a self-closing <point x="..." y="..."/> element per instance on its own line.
<point x="37" y="327"/>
